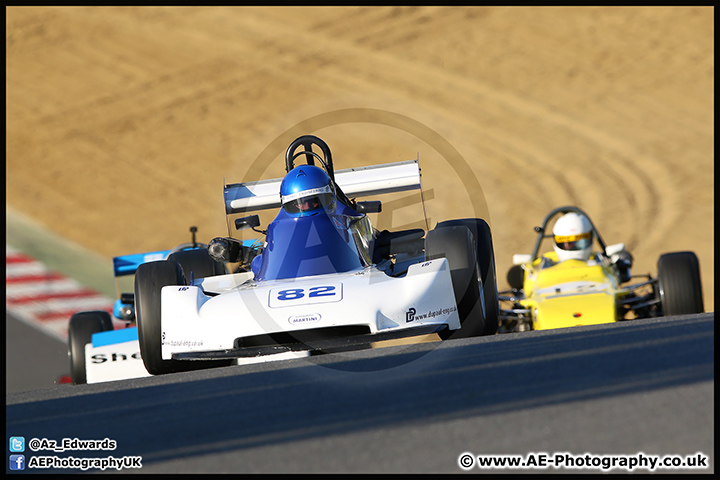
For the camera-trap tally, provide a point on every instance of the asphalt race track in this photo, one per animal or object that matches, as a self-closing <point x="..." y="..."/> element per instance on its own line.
<point x="34" y="359"/>
<point x="639" y="388"/>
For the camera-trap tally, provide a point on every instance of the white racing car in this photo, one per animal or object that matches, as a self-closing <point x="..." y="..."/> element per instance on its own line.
<point x="98" y="351"/>
<point x="320" y="279"/>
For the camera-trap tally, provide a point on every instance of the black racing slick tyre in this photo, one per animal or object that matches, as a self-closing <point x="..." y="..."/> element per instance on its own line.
<point x="485" y="254"/>
<point x="516" y="277"/>
<point x="679" y="283"/>
<point x="80" y="331"/>
<point x="150" y="278"/>
<point x="456" y="244"/>
<point x="197" y="264"/>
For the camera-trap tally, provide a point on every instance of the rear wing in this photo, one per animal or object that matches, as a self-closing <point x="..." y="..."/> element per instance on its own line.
<point x="128" y="264"/>
<point x="355" y="182"/>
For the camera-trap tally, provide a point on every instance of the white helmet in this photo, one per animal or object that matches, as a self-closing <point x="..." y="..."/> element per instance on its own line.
<point x="573" y="237"/>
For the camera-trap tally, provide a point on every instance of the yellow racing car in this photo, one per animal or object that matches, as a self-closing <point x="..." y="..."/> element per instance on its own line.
<point x="574" y="285"/>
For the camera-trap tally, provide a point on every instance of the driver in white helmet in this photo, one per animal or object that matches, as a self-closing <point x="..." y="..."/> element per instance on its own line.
<point x="573" y="238"/>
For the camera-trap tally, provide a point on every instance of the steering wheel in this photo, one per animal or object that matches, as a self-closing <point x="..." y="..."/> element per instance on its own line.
<point x="307" y="141"/>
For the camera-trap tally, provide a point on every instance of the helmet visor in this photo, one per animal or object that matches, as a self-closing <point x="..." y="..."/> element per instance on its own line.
<point x="308" y="200"/>
<point x="572" y="243"/>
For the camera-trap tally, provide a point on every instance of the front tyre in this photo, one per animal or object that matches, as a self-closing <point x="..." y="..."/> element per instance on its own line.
<point x="679" y="283"/>
<point x="80" y="331"/>
<point x="150" y="278"/>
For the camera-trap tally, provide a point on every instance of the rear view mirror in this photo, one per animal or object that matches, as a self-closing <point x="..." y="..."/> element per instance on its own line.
<point x="520" y="258"/>
<point x="373" y="206"/>
<point x="223" y="249"/>
<point x="247" y="222"/>
<point x="611" y="250"/>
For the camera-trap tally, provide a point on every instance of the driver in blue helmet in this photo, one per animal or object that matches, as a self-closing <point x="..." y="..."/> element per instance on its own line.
<point x="307" y="190"/>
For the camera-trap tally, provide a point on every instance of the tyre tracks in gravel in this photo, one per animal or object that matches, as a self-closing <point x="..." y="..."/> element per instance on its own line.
<point x="623" y="184"/>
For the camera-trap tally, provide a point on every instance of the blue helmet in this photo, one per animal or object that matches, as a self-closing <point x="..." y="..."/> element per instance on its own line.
<point x="307" y="190"/>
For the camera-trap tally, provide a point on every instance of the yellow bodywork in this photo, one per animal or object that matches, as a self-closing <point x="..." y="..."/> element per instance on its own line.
<point x="570" y="293"/>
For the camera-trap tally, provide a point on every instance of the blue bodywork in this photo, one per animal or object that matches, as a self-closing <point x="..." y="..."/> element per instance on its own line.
<point x="321" y="243"/>
<point x="112" y="337"/>
<point x="128" y="264"/>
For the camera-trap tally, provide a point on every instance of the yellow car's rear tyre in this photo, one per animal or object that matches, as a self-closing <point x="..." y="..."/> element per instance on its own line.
<point x="679" y="283"/>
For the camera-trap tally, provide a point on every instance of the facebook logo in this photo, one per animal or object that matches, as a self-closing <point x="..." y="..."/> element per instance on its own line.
<point x="17" y="462"/>
<point x="17" y="444"/>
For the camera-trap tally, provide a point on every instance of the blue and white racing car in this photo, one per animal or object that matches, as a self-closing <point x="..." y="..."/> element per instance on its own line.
<point x="100" y="352"/>
<point x="320" y="278"/>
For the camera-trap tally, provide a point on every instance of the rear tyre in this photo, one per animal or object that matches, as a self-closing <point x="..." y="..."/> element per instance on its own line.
<point x="456" y="244"/>
<point x="485" y="255"/>
<point x="150" y="278"/>
<point x="80" y="330"/>
<point x="680" y="286"/>
<point x="197" y="264"/>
